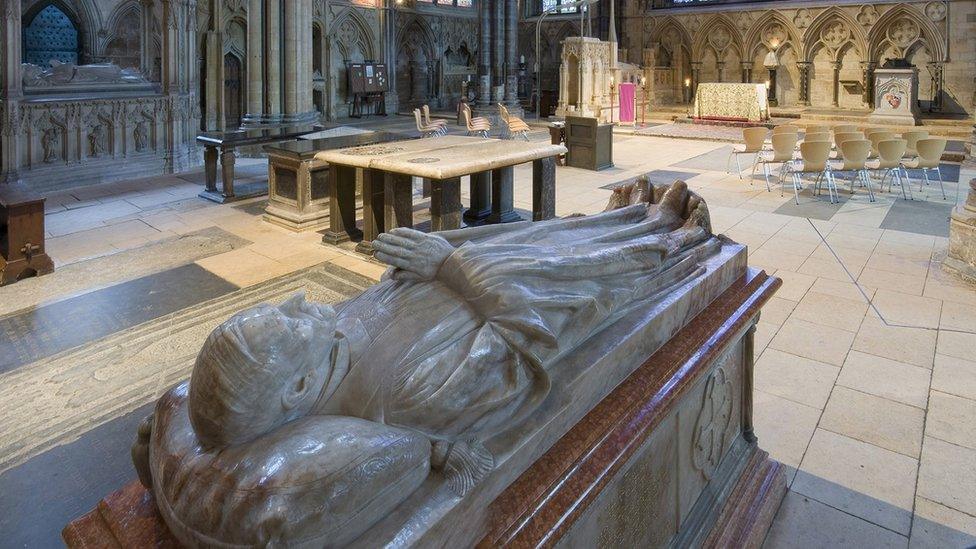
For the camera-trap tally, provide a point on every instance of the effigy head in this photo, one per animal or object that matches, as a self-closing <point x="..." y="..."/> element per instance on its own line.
<point x="260" y="369"/>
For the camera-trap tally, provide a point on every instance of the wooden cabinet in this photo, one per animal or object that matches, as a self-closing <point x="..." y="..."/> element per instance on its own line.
<point x="590" y="143"/>
<point x="22" y="252"/>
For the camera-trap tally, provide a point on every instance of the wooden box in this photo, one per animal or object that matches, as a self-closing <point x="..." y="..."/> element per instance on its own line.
<point x="590" y="143"/>
<point x="22" y="253"/>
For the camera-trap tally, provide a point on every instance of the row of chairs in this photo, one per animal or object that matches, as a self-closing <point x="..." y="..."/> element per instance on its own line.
<point x="893" y="157"/>
<point x="475" y="125"/>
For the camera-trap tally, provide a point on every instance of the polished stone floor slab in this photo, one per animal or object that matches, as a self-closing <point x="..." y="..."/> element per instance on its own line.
<point x="662" y="177"/>
<point x="716" y="160"/>
<point x="75" y="476"/>
<point x="40" y="332"/>
<point x="919" y="216"/>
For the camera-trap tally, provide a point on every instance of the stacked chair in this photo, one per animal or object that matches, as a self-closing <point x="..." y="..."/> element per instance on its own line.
<point x="753" y="141"/>
<point x="425" y="129"/>
<point x="425" y="110"/>
<point x="516" y="126"/>
<point x="475" y="125"/>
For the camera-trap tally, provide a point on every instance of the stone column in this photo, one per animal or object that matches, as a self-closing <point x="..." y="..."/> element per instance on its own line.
<point x="961" y="256"/>
<point x="292" y="57"/>
<point x="746" y="71"/>
<point x="255" y="62"/>
<point x="272" y="61"/>
<point x="498" y="50"/>
<point x="484" y="53"/>
<point x="511" y="56"/>
<point x="179" y="74"/>
<point x="720" y="66"/>
<point x="867" y="83"/>
<point x="938" y="83"/>
<point x="145" y="27"/>
<point x="388" y="48"/>
<point x="804" y="91"/>
<point x="213" y="114"/>
<point x="11" y="90"/>
<point x="695" y="77"/>
<point x="836" y="83"/>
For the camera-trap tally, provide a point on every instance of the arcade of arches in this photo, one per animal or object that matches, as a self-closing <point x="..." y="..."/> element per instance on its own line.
<point x="221" y="63"/>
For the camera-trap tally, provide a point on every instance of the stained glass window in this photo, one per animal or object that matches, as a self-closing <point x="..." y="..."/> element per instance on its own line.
<point x="50" y="35"/>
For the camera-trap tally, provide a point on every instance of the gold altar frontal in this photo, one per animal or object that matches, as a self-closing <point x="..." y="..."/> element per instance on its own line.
<point x="731" y="102"/>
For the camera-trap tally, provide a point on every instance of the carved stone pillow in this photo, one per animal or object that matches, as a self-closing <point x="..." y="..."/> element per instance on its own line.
<point x="317" y="481"/>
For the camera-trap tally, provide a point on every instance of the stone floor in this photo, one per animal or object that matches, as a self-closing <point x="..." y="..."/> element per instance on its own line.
<point x="867" y="391"/>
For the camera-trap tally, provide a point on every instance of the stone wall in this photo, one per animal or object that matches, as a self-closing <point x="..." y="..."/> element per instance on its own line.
<point x="90" y="132"/>
<point x="827" y="51"/>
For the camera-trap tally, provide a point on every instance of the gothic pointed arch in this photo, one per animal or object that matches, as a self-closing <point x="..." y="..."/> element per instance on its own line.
<point x="903" y="28"/>
<point x="426" y="38"/>
<point x="349" y="31"/>
<point x="719" y="34"/>
<point x="835" y="30"/>
<point x="83" y="14"/>
<point x="123" y="41"/>
<point x="769" y="27"/>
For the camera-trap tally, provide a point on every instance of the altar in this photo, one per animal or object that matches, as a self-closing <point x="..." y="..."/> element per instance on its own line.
<point x="731" y="102"/>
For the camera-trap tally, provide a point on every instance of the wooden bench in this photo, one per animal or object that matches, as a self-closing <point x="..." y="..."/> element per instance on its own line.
<point x="22" y="253"/>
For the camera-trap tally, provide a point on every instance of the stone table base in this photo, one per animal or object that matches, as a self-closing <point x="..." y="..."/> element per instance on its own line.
<point x="961" y="259"/>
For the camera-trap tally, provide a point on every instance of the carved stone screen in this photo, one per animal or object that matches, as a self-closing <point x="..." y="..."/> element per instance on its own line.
<point x="50" y="35"/>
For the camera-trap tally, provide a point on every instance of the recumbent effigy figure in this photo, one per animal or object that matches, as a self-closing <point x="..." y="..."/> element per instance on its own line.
<point x="304" y="423"/>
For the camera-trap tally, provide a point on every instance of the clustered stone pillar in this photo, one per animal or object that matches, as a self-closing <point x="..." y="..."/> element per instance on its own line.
<point x="498" y="56"/>
<point x="804" y="68"/>
<point x="10" y="89"/>
<point x="179" y="79"/>
<point x="279" y="63"/>
<point x="388" y="47"/>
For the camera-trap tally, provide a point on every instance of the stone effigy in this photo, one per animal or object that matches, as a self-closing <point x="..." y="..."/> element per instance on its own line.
<point x="67" y="74"/>
<point x="380" y="420"/>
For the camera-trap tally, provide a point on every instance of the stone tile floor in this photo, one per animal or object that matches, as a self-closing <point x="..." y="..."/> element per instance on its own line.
<point x="872" y="406"/>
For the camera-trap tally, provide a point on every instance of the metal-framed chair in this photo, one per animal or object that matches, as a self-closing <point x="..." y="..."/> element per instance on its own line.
<point x="425" y="110"/>
<point x="890" y="154"/>
<point x="817" y="128"/>
<point x="785" y="128"/>
<point x="784" y="146"/>
<point x="814" y="159"/>
<point x="855" y="153"/>
<point x="753" y="140"/>
<point x="840" y="138"/>
<point x="929" y="159"/>
<point x="878" y="137"/>
<point x="845" y="128"/>
<point x="912" y="138"/>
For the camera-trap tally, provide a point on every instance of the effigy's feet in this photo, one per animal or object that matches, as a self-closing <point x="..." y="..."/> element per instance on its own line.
<point x="463" y="464"/>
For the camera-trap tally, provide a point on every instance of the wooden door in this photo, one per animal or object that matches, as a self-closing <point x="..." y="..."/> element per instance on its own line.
<point x="233" y="92"/>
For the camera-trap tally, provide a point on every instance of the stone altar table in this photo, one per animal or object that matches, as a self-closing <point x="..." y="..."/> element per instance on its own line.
<point x="731" y="101"/>
<point x="388" y="169"/>
<point x="225" y="144"/>
<point x="298" y="187"/>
